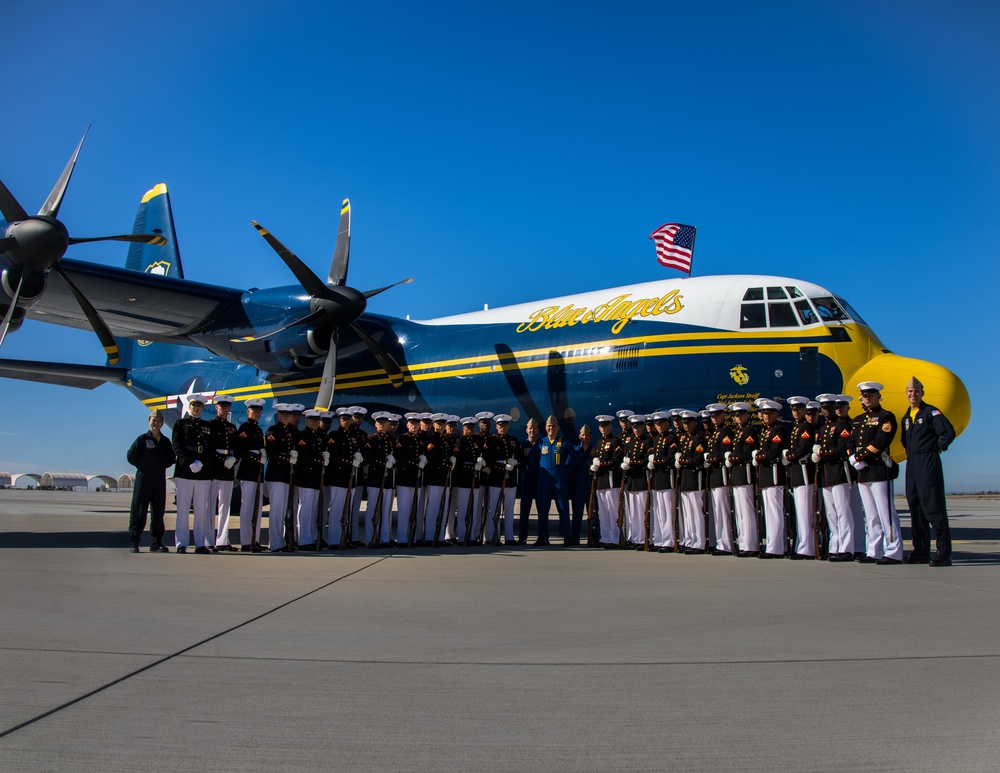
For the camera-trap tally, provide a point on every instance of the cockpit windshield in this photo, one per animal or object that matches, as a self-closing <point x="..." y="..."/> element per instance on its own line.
<point x="829" y="310"/>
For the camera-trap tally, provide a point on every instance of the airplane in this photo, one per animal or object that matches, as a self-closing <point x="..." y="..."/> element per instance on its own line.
<point x="672" y="343"/>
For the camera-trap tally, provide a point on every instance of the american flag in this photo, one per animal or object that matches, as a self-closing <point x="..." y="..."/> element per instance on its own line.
<point x="674" y="245"/>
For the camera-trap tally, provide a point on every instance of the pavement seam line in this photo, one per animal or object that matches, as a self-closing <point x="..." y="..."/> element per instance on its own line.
<point x="165" y="658"/>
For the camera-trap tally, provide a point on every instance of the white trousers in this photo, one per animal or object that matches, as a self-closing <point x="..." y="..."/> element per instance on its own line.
<point x="404" y="509"/>
<point x="220" y="500"/>
<point x="434" y="497"/>
<point x="386" y="527"/>
<point x="193" y="495"/>
<point x="884" y="539"/>
<point x="637" y="516"/>
<point x="746" y="518"/>
<point x="337" y="496"/>
<point x="462" y="511"/>
<point x="692" y="505"/>
<point x="663" y="518"/>
<point x="721" y="515"/>
<point x="277" y="494"/>
<point x="506" y="511"/>
<point x="837" y="500"/>
<point x="607" y="508"/>
<point x="805" y="534"/>
<point x="774" y="519"/>
<point x="248" y="493"/>
<point x="858" y="516"/>
<point x="305" y="514"/>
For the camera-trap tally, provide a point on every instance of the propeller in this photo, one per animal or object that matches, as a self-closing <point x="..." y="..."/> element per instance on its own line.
<point x="35" y="245"/>
<point x="335" y="304"/>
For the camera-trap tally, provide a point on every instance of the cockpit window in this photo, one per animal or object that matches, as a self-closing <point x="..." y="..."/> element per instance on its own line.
<point x="775" y="293"/>
<point x="754" y="294"/>
<point x="752" y="315"/>
<point x="806" y="313"/>
<point x="847" y="307"/>
<point x="781" y="315"/>
<point x="829" y="311"/>
<point x="793" y="292"/>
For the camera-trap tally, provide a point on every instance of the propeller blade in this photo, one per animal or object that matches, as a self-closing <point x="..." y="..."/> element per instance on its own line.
<point x="102" y="330"/>
<point x="51" y="206"/>
<point x="342" y="250"/>
<point x="12" y="210"/>
<point x="385" y="359"/>
<point x="156" y="239"/>
<point x="311" y="283"/>
<point x="312" y="316"/>
<point x="324" y="399"/>
<point x="5" y="325"/>
<point x="370" y="293"/>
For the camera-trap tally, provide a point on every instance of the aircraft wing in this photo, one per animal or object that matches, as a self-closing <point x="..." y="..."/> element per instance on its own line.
<point x="62" y="374"/>
<point x="135" y="304"/>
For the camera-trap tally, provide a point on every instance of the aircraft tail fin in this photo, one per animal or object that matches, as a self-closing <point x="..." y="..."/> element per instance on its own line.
<point x="155" y="216"/>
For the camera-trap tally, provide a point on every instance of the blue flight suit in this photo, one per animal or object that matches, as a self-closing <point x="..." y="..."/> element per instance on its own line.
<point x="553" y="459"/>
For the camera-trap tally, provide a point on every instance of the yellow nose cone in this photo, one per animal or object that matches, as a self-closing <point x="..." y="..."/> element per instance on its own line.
<point x="942" y="388"/>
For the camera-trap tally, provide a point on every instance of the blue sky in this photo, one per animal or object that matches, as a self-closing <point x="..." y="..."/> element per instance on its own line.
<point x="506" y="152"/>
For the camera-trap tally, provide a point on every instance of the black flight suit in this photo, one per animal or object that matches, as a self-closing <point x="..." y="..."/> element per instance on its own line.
<point x="925" y="436"/>
<point x="150" y="457"/>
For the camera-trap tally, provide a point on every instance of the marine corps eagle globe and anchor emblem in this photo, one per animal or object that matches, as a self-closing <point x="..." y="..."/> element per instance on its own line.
<point x="739" y="374"/>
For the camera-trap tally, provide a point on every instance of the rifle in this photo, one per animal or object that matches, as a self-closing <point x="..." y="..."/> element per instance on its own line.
<point x="496" y="510"/>
<point x="411" y="527"/>
<point x="677" y="499"/>
<point x="649" y="498"/>
<point x="345" y="517"/>
<point x="290" y="542"/>
<point x="621" y="511"/>
<point x="377" y="516"/>
<point x="446" y="495"/>
<point x="817" y="522"/>
<point x="468" y="510"/>
<point x="590" y="513"/>
<point x="484" y="511"/>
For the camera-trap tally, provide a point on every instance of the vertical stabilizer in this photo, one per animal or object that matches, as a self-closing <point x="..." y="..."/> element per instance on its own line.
<point x="154" y="216"/>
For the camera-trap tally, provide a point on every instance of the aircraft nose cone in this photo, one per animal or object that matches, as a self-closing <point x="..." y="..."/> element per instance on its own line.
<point x="41" y="241"/>
<point x="942" y="388"/>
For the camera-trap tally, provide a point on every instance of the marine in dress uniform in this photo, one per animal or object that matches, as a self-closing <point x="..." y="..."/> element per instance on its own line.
<point x="193" y="477"/>
<point x="279" y="447"/>
<point x="223" y="434"/>
<point x="660" y="463"/>
<point x="310" y="461"/>
<point x="771" y="477"/>
<point x="830" y="454"/>
<point x="465" y="481"/>
<point x="505" y="456"/>
<point x="857" y="508"/>
<point x="743" y="476"/>
<point x="690" y="461"/>
<point x="926" y="434"/>
<point x="378" y="453"/>
<point x="151" y="454"/>
<point x="438" y="452"/>
<point x="341" y="476"/>
<point x="637" y="449"/>
<point x="251" y="457"/>
<point x="552" y="455"/>
<point x="606" y="467"/>
<point x="411" y="459"/>
<point x="801" y="476"/>
<point x="718" y="442"/>
<point x="876" y="473"/>
<point x="358" y="414"/>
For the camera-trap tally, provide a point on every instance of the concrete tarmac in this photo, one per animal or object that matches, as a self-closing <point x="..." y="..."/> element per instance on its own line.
<point x="486" y="660"/>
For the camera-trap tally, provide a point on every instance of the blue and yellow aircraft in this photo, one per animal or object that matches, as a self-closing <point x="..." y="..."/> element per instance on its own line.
<point x="672" y="343"/>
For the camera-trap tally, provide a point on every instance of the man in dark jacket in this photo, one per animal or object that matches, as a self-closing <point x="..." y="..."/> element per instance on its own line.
<point x="151" y="454"/>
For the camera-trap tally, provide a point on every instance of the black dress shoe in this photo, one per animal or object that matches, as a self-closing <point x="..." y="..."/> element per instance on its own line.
<point x="888" y="561"/>
<point x="797" y="557"/>
<point x="918" y="558"/>
<point x="717" y="552"/>
<point x="229" y="548"/>
<point x="257" y="549"/>
<point x="158" y="547"/>
<point x="245" y="548"/>
<point x="694" y="552"/>
<point x="212" y="549"/>
<point x="868" y="560"/>
<point x="541" y="542"/>
<point x="940" y="562"/>
<point x="134" y="549"/>
<point x="201" y="550"/>
<point x="310" y="546"/>
<point x="182" y="549"/>
<point x="771" y="555"/>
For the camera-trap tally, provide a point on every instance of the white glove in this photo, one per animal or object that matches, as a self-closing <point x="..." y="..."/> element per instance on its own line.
<point x="357" y="460"/>
<point x="508" y="466"/>
<point x="263" y="456"/>
<point x="677" y="460"/>
<point x="422" y="462"/>
<point x="815" y="455"/>
<point x="625" y="464"/>
<point x="784" y="458"/>
<point x="887" y="459"/>
<point x="195" y="466"/>
<point x="293" y="457"/>
<point x="326" y="458"/>
<point x="229" y="463"/>
<point x="707" y="463"/>
<point x="852" y="459"/>
<point x="480" y="463"/>
<point x="595" y="465"/>
<point x="817" y="449"/>
<point x="222" y="451"/>
<point x="626" y="460"/>
<point x="729" y="458"/>
<point x="754" y="460"/>
<point x="650" y="463"/>
<point x="511" y="463"/>
<point x="452" y="461"/>
<point x="859" y="465"/>
<point x="390" y="462"/>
